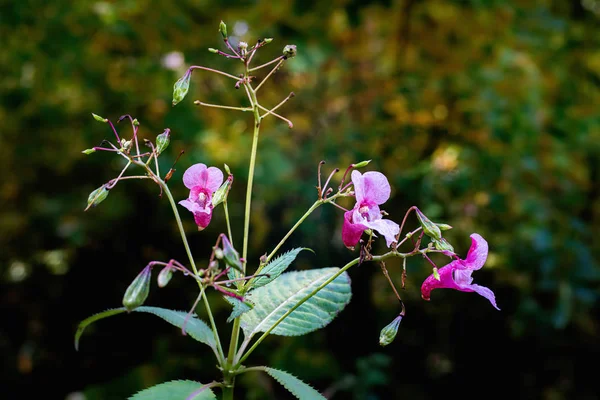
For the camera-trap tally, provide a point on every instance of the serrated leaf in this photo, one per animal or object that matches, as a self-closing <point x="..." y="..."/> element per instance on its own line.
<point x="175" y="390"/>
<point x="196" y="328"/>
<point x="303" y="391"/>
<point x="276" y="267"/>
<point x="278" y="297"/>
<point x="239" y="307"/>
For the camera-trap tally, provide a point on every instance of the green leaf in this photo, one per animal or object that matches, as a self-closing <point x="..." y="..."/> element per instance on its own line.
<point x="195" y="327"/>
<point x="276" y="267"/>
<point x="239" y="307"/>
<point x="301" y="390"/>
<point x="275" y="299"/>
<point x="175" y="390"/>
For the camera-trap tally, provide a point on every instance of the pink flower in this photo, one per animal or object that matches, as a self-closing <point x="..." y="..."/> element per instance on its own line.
<point x="202" y="182"/>
<point x="457" y="274"/>
<point x="371" y="190"/>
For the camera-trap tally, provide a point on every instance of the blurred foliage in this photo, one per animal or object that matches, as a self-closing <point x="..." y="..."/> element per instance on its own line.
<point x="483" y="113"/>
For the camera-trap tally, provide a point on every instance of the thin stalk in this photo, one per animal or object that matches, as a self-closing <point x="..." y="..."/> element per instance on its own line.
<point x="227" y="220"/>
<point x="269" y="74"/>
<point x="200" y="103"/>
<point x="266" y="64"/>
<point x="216" y="71"/>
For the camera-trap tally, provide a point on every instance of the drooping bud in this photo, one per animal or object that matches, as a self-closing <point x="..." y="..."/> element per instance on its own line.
<point x="164" y="276"/>
<point x="223" y="29"/>
<point x="443" y="245"/>
<point x="230" y="255"/>
<point x="430" y="229"/>
<point x="361" y="164"/>
<point x="289" y="51"/>
<point x="99" y="118"/>
<point x="88" y="151"/>
<point x="138" y="290"/>
<point x="221" y="194"/>
<point x="162" y="141"/>
<point x="388" y="334"/>
<point x="97" y="196"/>
<point x="214" y="51"/>
<point x="444" y="227"/>
<point x="181" y="87"/>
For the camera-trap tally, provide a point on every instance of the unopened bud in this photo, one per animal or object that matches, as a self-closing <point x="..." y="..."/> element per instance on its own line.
<point x="388" y="333"/>
<point x="430" y="229"/>
<point x="230" y="255"/>
<point x="223" y="29"/>
<point x="361" y="164"/>
<point x="88" y="151"/>
<point x="268" y="40"/>
<point x="214" y="51"/>
<point x="221" y="194"/>
<point x="443" y="245"/>
<point x="138" y="290"/>
<point x="436" y="273"/>
<point x="135" y="122"/>
<point x="97" y="196"/>
<point x="226" y="167"/>
<point x="99" y="118"/>
<point x="126" y="144"/>
<point x="165" y="276"/>
<point x="444" y="227"/>
<point x="219" y="253"/>
<point x="162" y="141"/>
<point x="181" y="87"/>
<point x="289" y="51"/>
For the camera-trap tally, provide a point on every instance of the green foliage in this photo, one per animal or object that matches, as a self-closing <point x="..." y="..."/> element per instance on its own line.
<point x="239" y="307"/>
<point x="278" y="297"/>
<point x="174" y="390"/>
<point x="301" y="390"/>
<point x="276" y="267"/>
<point x="194" y="327"/>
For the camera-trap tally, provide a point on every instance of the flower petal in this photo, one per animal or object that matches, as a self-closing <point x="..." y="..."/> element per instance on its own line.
<point x="215" y="179"/>
<point x="196" y="175"/>
<point x="351" y="232"/>
<point x="357" y="181"/>
<point x="376" y="187"/>
<point x="487" y="293"/>
<point x="203" y="217"/>
<point x="446" y="281"/>
<point x="477" y="253"/>
<point x="190" y="205"/>
<point x="389" y="229"/>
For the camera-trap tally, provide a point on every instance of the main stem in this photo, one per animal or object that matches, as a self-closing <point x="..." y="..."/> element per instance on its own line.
<point x="233" y="345"/>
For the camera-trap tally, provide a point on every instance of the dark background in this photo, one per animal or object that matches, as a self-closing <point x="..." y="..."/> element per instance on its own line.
<point x="483" y="113"/>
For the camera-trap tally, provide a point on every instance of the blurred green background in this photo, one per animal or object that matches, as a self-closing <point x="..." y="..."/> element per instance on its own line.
<point x="485" y="114"/>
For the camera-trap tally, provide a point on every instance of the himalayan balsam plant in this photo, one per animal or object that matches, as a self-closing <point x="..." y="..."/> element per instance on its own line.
<point x="265" y="299"/>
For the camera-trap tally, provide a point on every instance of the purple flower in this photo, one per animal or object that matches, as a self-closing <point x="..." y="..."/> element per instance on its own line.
<point x="371" y="190"/>
<point x="202" y="182"/>
<point x="457" y="274"/>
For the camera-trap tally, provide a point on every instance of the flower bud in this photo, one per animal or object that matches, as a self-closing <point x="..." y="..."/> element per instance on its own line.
<point x="162" y="141"/>
<point x="181" y="87"/>
<point x="436" y="273"/>
<point x="138" y="290"/>
<point x="430" y="229"/>
<point x="223" y="29"/>
<point x="289" y="51"/>
<point x="219" y="253"/>
<point x="97" y="196"/>
<point x="230" y="255"/>
<point x="444" y="227"/>
<point x="135" y="122"/>
<point x="165" y="276"/>
<point x="221" y="194"/>
<point x="388" y="333"/>
<point x="99" y="118"/>
<point x="226" y="167"/>
<point x="443" y="245"/>
<point x="214" y="51"/>
<point x="88" y="151"/>
<point x="268" y="40"/>
<point x="361" y="164"/>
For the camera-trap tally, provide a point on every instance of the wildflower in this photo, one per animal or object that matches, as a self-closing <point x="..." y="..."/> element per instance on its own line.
<point x="371" y="190"/>
<point x="457" y="274"/>
<point x="202" y="182"/>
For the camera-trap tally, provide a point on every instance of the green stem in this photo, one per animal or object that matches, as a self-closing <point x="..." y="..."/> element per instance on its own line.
<point x="304" y="299"/>
<point x="227" y="220"/>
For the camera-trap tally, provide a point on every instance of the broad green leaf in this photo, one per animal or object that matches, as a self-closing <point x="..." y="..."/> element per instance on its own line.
<point x="301" y="390"/>
<point x="175" y="390"/>
<point x="239" y="307"/>
<point x="276" y="267"/>
<point x="275" y="299"/>
<point x="195" y="327"/>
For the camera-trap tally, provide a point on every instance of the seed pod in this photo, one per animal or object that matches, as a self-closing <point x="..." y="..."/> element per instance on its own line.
<point x="430" y="229"/>
<point x="181" y="87"/>
<point x="97" y="197"/>
<point x="388" y="333"/>
<point x="137" y="292"/>
<point x="164" y="276"/>
<point x="162" y="141"/>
